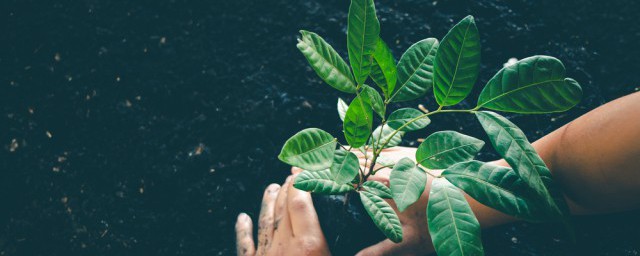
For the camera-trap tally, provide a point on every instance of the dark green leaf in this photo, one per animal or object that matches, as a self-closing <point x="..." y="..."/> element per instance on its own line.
<point x="320" y="182"/>
<point x="375" y="100"/>
<point x="345" y="166"/>
<point x="532" y="85"/>
<point x="377" y="188"/>
<point x="383" y="71"/>
<point x="382" y="215"/>
<point x="310" y="149"/>
<point x="415" y="71"/>
<point x="407" y="183"/>
<point x="443" y="149"/>
<point x="497" y="187"/>
<point x="363" y="30"/>
<point x="414" y="117"/>
<point x="326" y="62"/>
<point x="453" y="227"/>
<point x="457" y="63"/>
<point x="358" y="122"/>
<point x="513" y="146"/>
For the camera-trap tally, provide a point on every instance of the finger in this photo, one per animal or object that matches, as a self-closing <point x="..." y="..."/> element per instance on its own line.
<point x="296" y="170"/>
<point x="266" y="221"/>
<point x="244" y="236"/>
<point x="282" y="224"/>
<point x="304" y="219"/>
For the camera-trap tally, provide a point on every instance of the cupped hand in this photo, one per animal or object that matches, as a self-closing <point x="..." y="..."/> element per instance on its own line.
<point x="288" y="225"/>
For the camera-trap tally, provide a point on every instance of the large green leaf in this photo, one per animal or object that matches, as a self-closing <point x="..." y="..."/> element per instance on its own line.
<point x="320" y="182"/>
<point x="383" y="70"/>
<point x="377" y="138"/>
<point x="382" y="215"/>
<point x="342" y="108"/>
<point x="445" y="148"/>
<point x="310" y="149"/>
<point x="453" y="227"/>
<point x="497" y="187"/>
<point x="363" y="30"/>
<point x="358" y="121"/>
<point x="532" y="85"/>
<point x="415" y="71"/>
<point x="377" y="188"/>
<point x="512" y="144"/>
<point x="407" y="183"/>
<point x="457" y="63"/>
<point x="326" y="62"/>
<point x="374" y="99"/>
<point x="345" y="166"/>
<point x="414" y="117"/>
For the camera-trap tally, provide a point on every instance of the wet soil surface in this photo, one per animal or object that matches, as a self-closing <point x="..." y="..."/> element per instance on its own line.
<point x="145" y="127"/>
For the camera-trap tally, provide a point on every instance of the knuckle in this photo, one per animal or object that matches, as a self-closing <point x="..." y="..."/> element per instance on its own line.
<point x="299" y="204"/>
<point x="310" y="245"/>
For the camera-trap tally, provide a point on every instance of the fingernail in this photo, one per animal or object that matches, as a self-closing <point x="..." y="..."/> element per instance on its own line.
<point x="243" y="216"/>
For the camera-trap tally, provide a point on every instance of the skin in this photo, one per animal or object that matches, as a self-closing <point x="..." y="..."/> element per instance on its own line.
<point x="595" y="159"/>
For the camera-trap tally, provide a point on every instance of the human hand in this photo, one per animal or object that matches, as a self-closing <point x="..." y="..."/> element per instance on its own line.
<point x="288" y="225"/>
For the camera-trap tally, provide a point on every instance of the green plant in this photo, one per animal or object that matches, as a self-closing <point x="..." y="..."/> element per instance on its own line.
<point x="533" y="85"/>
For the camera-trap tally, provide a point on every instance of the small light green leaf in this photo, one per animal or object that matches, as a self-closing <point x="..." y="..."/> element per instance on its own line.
<point x="415" y="71"/>
<point x="453" y="227"/>
<point x="363" y="30"/>
<point x="414" y="117"/>
<point x="513" y="146"/>
<point x="358" y="122"/>
<point x="382" y="215"/>
<point x="497" y="187"/>
<point x="375" y="99"/>
<point x="385" y="161"/>
<point x="383" y="70"/>
<point x="342" y="108"/>
<point x="326" y="62"/>
<point x="320" y="182"/>
<point x="310" y="149"/>
<point x="445" y="148"/>
<point x="377" y="189"/>
<point x="407" y="183"/>
<point x="457" y="63"/>
<point x="532" y="85"/>
<point x="385" y="136"/>
<point x="345" y="166"/>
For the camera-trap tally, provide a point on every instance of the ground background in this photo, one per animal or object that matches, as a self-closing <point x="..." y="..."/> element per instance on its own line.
<point x="145" y="127"/>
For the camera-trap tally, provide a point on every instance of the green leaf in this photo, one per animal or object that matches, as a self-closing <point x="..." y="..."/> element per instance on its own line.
<point x="457" y="63"/>
<point x="497" y="187"/>
<point x="377" y="189"/>
<point x="383" y="70"/>
<point x="342" y="108"/>
<point x="310" y="149"/>
<point x="375" y="100"/>
<point x="320" y="182"/>
<point x="358" y="122"/>
<point x="453" y="227"/>
<point x="445" y="148"/>
<point x="412" y="116"/>
<point x="385" y="161"/>
<point x="407" y="183"/>
<point x="345" y="166"/>
<point x="532" y="85"/>
<point x="513" y="146"/>
<point x="382" y="215"/>
<point x="385" y="136"/>
<point x="326" y="62"/>
<point x="415" y="71"/>
<point x="363" y="30"/>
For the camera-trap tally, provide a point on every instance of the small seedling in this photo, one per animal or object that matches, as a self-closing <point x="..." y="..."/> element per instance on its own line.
<point x="534" y="85"/>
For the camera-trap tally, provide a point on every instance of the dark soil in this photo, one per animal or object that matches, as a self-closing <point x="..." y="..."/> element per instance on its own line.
<point x="145" y="127"/>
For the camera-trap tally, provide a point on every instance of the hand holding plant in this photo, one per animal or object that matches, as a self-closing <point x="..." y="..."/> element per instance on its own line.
<point x="450" y="67"/>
